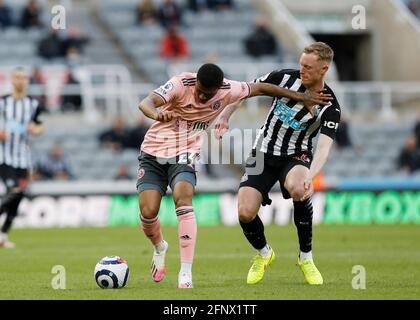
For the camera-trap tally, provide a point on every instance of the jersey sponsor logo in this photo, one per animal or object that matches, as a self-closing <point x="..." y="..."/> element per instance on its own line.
<point x="190" y="125"/>
<point x="303" y="157"/>
<point x="286" y="115"/>
<point x="198" y="125"/>
<point x="216" y="105"/>
<point x="331" y="124"/>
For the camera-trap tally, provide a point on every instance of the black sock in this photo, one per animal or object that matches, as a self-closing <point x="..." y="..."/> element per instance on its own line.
<point x="303" y="213"/>
<point x="10" y="206"/>
<point x="254" y="232"/>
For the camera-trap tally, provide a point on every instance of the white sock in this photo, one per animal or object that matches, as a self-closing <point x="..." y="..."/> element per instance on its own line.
<point x="3" y="236"/>
<point x="305" y="255"/>
<point x="161" y="246"/>
<point x="265" y="252"/>
<point x="186" y="267"/>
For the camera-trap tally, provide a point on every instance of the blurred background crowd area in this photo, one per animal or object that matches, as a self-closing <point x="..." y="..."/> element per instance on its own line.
<point x="90" y="76"/>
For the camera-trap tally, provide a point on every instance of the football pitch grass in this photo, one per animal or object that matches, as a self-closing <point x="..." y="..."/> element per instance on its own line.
<point x="389" y="254"/>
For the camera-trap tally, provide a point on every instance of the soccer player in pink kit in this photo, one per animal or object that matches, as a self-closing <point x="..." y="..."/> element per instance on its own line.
<point x="188" y="105"/>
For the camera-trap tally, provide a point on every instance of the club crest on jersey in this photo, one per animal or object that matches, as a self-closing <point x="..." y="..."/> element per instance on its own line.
<point x="316" y="110"/>
<point x="216" y="105"/>
<point x="140" y="174"/>
<point x="244" y="178"/>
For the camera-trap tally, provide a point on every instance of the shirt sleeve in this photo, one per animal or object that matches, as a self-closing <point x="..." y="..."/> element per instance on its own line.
<point x="171" y="90"/>
<point x="239" y="90"/>
<point x="330" y="120"/>
<point x="274" y="77"/>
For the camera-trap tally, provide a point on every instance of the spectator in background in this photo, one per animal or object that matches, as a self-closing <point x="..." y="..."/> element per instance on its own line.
<point x="409" y="158"/>
<point x="342" y="136"/>
<point x="74" y="40"/>
<point x="169" y="14"/>
<point x="147" y="13"/>
<point x="261" y="41"/>
<point x="219" y="5"/>
<point x="122" y="173"/>
<point x="117" y="137"/>
<point x="5" y="15"/>
<point x="197" y="5"/>
<point x="53" y="167"/>
<point x="51" y="46"/>
<point x="38" y="79"/>
<point x="74" y="58"/>
<point x="417" y="130"/>
<point x="137" y="133"/>
<point x="414" y="7"/>
<point x="31" y="16"/>
<point x="173" y="45"/>
<point x="71" y="101"/>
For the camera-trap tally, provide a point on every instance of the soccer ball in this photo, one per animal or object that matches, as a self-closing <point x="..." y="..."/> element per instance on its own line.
<point x="111" y="272"/>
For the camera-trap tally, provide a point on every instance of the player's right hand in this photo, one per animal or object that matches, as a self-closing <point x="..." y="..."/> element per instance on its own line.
<point x="164" y="116"/>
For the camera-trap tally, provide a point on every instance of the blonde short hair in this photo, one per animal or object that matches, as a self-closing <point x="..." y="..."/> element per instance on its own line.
<point x="322" y="50"/>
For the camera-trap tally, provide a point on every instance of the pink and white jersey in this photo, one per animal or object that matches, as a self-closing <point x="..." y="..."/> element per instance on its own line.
<point x="184" y="133"/>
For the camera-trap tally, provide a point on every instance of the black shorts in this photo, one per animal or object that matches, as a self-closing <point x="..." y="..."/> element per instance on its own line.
<point x="14" y="177"/>
<point x="157" y="173"/>
<point x="275" y="169"/>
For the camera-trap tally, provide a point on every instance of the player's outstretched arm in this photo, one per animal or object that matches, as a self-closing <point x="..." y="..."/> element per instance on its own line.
<point x="320" y="157"/>
<point x="148" y="106"/>
<point x="222" y="123"/>
<point x="308" y="99"/>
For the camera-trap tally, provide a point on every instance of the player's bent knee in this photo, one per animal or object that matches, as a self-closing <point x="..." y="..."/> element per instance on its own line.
<point x="149" y="211"/>
<point x="246" y="213"/>
<point x="297" y="193"/>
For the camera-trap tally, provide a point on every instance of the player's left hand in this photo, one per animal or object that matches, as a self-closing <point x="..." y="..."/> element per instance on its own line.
<point x="309" y="189"/>
<point x="34" y="129"/>
<point x="310" y="99"/>
<point x="221" y="127"/>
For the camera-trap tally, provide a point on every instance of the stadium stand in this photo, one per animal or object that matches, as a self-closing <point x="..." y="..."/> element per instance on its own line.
<point x="115" y="36"/>
<point x="219" y="33"/>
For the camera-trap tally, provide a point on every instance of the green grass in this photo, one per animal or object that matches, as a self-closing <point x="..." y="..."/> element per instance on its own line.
<point x="390" y="255"/>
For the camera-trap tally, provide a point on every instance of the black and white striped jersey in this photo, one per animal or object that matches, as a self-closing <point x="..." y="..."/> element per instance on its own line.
<point x="289" y="128"/>
<point x="15" y="116"/>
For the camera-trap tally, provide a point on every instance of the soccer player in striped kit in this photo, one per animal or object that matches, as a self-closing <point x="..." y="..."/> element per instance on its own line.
<point x="189" y="103"/>
<point x="19" y="117"/>
<point x="285" y="143"/>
